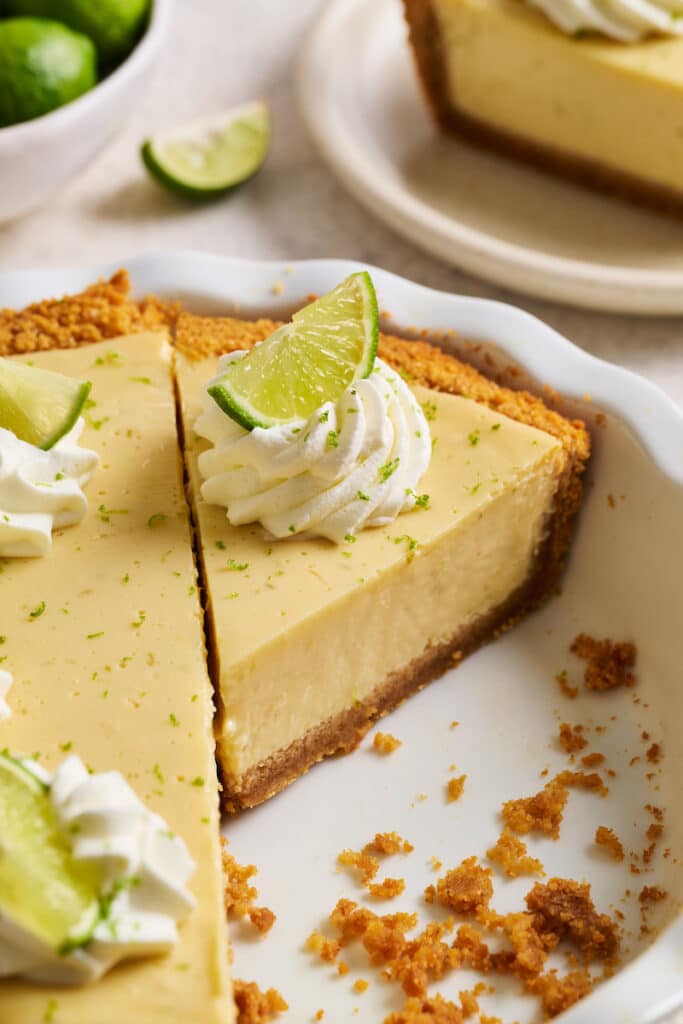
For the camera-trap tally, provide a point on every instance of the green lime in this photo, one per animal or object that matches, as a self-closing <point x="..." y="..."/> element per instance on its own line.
<point x="39" y="406"/>
<point x="43" y="891"/>
<point x="43" y="65"/>
<point x="113" y="25"/>
<point x="311" y="360"/>
<point x="211" y="156"/>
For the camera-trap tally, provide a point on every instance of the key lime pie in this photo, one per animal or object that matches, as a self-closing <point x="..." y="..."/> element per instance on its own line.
<point x="365" y="516"/>
<point x="591" y="90"/>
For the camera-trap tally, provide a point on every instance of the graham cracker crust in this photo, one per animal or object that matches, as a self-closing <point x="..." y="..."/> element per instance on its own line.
<point x="343" y="732"/>
<point x="426" y="44"/>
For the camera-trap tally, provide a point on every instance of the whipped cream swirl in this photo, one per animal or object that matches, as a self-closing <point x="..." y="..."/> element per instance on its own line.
<point x="354" y="463"/>
<point x="5" y="683"/>
<point x="144" y="869"/>
<point x="40" y="491"/>
<point x="626" y="21"/>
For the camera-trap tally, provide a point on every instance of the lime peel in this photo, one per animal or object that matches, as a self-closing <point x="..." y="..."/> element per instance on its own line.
<point x="213" y="155"/>
<point x="39" y="406"/>
<point x="307" y="362"/>
<point x="43" y="891"/>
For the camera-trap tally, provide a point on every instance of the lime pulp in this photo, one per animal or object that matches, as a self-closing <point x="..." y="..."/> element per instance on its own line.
<point x="311" y="360"/>
<point x="42" y="890"/>
<point x="39" y="406"/>
<point x="213" y="155"/>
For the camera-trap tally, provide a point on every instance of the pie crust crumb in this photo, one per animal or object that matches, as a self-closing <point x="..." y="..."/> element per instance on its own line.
<point x="239" y="895"/>
<point x="608" y="839"/>
<point x="255" y="1006"/>
<point x="510" y="853"/>
<point x="385" y="743"/>
<point x="608" y="664"/>
<point x="454" y="788"/>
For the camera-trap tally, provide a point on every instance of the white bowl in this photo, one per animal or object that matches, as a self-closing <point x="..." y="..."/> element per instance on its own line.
<point x="624" y="579"/>
<point x="40" y="156"/>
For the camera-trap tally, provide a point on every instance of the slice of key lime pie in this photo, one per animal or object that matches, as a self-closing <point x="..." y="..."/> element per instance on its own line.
<point x="590" y="90"/>
<point x="109" y="832"/>
<point x="376" y="530"/>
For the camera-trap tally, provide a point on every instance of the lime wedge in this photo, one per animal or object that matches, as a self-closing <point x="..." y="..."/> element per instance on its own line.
<point x="311" y="360"/>
<point x="213" y="155"/>
<point x="39" y="406"/>
<point x="43" y="891"/>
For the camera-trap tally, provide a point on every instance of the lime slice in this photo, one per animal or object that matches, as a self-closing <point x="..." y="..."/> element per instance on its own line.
<point x="311" y="360"/>
<point x="211" y="156"/>
<point x="39" y="406"/>
<point x="43" y="891"/>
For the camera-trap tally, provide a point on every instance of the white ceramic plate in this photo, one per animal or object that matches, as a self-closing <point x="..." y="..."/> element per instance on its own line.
<point x="483" y="213"/>
<point x="625" y="580"/>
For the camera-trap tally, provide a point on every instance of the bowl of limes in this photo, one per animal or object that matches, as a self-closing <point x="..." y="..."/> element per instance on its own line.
<point x="70" y="72"/>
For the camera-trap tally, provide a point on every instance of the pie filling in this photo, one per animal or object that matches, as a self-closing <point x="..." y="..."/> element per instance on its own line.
<point x="104" y="640"/>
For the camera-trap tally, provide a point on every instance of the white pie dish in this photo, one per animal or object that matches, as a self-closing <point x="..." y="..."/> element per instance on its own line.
<point x="625" y="579"/>
<point x="40" y="156"/>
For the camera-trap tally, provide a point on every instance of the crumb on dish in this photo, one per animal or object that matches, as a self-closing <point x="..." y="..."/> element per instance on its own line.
<point x="590" y="781"/>
<point x="255" y="1006"/>
<point x="240" y="896"/>
<point x="366" y="863"/>
<point x="387" y="889"/>
<point x="652" y="894"/>
<point x="385" y="743"/>
<point x="571" y="738"/>
<point x="326" y="949"/>
<point x="464" y="889"/>
<point x="510" y="853"/>
<point x="454" y="788"/>
<point x="593" y="760"/>
<point x="609" y="841"/>
<point x="608" y="664"/>
<point x="543" y="812"/>
<point x="572" y="692"/>
<point x="563" y="909"/>
<point x="388" y="843"/>
<point x="426" y="1010"/>
<point x="654" y="753"/>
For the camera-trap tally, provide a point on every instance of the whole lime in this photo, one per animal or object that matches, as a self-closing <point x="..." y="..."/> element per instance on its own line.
<point x="113" y="25"/>
<point x="43" y="65"/>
